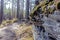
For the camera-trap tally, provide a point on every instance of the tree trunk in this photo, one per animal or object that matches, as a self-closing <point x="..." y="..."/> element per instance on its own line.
<point x="21" y="9"/>
<point x="18" y="8"/>
<point x="13" y="8"/>
<point x="1" y="11"/>
<point x="27" y="9"/>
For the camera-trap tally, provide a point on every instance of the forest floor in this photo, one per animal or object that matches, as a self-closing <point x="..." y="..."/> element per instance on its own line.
<point x="23" y="31"/>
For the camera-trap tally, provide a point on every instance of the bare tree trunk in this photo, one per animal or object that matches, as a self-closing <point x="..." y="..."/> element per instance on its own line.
<point x="13" y="8"/>
<point x="1" y="11"/>
<point x="21" y="9"/>
<point x="27" y="9"/>
<point x="18" y="8"/>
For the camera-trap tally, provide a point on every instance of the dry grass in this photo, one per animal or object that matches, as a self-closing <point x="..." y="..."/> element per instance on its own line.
<point x="25" y="32"/>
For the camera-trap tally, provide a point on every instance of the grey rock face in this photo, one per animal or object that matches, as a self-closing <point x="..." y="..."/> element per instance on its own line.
<point x="51" y="26"/>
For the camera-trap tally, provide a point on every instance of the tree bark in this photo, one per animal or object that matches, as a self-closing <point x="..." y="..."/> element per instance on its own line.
<point x="27" y="9"/>
<point x="18" y="8"/>
<point x="1" y="11"/>
<point x="13" y="8"/>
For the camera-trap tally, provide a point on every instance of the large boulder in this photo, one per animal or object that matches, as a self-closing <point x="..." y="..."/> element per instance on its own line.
<point x="52" y="26"/>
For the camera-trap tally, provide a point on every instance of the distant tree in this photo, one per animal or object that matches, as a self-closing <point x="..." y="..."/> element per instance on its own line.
<point x="32" y="4"/>
<point x="1" y="11"/>
<point x="27" y="9"/>
<point x="14" y="9"/>
<point x="18" y="6"/>
<point x="21" y="9"/>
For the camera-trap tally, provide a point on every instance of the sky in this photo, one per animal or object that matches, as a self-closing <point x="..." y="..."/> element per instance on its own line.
<point x="9" y="5"/>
